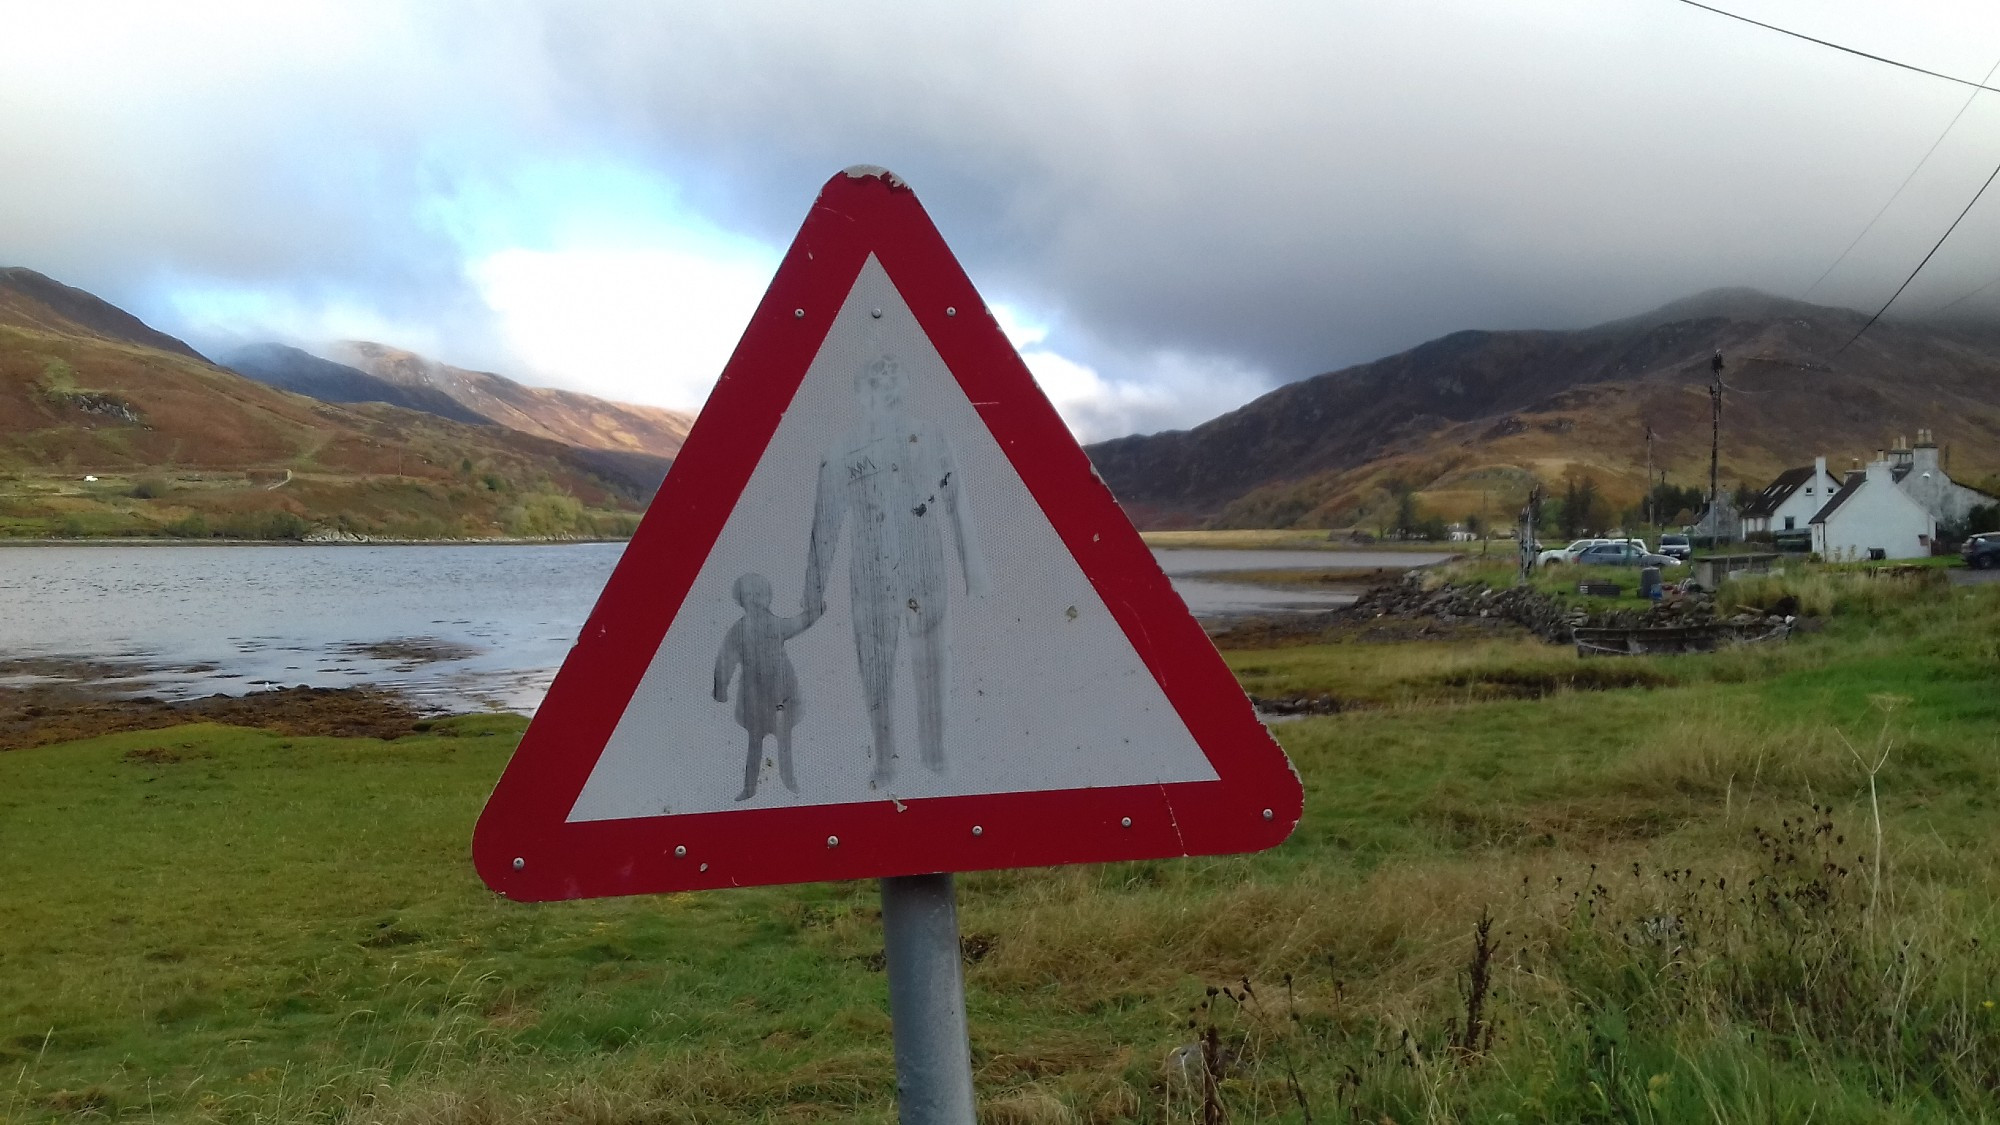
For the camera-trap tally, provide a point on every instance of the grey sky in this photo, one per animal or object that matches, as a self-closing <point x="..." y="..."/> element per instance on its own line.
<point x="1178" y="205"/>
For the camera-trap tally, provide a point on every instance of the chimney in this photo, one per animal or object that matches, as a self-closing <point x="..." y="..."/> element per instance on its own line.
<point x="1817" y="486"/>
<point x="1924" y="458"/>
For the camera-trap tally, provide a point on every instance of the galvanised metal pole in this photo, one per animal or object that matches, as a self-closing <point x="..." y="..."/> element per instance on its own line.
<point x="927" y="1000"/>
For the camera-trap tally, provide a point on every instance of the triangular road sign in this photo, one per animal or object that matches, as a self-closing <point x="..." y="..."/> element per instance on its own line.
<point x="881" y="619"/>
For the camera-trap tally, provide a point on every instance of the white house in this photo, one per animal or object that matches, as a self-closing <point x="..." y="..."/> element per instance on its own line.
<point x="1871" y="513"/>
<point x="1917" y="470"/>
<point x="1790" y="502"/>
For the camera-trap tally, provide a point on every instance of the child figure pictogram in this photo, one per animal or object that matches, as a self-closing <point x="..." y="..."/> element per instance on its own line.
<point x="767" y="695"/>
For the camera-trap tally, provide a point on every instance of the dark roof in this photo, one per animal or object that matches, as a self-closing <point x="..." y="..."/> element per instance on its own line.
<point x="1777" y="492"/>
<point x="1854" y="481"/>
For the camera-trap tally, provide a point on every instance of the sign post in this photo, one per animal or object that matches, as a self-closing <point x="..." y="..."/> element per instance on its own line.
<point x="882" y="620"/>
<point x="927" y="1000"/>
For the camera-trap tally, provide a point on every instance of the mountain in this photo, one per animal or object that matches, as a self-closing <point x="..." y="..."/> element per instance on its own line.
<point x="566" y="416"/>
<point x="1468" y="421"/>
<point x="109" y="426"/>
<point x="30" y="300"/>
<point x="301" y="372"/>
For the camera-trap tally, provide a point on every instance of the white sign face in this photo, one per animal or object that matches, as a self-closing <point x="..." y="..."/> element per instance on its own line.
<point x="887" y="614"/>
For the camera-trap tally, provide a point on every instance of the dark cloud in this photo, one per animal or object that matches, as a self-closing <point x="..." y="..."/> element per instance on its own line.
<point x="1261" y="191"/>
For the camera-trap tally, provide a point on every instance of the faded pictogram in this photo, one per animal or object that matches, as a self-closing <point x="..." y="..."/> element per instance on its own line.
<point x="892" y="480"/>
<point x="767" y="693"/>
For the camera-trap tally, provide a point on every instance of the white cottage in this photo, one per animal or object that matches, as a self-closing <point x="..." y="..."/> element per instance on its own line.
<point x="1919" y="473"/>
<point x="1871" y="513"/>
<point x="1790" y="502"/>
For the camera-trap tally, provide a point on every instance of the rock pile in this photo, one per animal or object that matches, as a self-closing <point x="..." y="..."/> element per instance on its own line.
<point x="1524" y="606"/>
<point x="333" y="535"/>
<point x="1541" y="614"/>
<point x="1321" y="704"/>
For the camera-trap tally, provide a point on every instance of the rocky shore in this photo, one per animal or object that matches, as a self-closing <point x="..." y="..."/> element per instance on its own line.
<point x="46" y="703"/>
<point x="1416" y="607"/>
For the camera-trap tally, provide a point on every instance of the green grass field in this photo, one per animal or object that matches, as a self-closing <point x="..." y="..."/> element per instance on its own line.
<point x="1527" y="888"/>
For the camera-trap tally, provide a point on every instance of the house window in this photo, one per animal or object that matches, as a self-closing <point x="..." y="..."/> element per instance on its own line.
<point x="1790" y="521"/>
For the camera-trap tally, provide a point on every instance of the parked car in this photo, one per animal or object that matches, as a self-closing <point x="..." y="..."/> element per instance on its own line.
<point x="1982" y="552"/>
<point x="1677" y="545"/>
<point x="1566" y="554"/>
<point x="1623" y="554"/>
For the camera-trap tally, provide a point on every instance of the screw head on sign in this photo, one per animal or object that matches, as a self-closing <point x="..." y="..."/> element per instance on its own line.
<point x="680" y="850"/>
<point x="519" y="863"/>
<point x="798" y="313"/>
<point x="1126" y="822"/>
<point x="977" y="830"/>
<point x="833" y="841"/>
<point x="950" y="311"/>
<point x="1267" y="814"/>
<point x="876" y="313"/>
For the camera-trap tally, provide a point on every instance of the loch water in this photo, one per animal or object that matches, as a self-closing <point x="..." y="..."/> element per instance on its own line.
<point x="453" y="626"/>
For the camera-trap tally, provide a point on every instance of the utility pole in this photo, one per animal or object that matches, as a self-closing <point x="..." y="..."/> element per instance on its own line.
<point x="1531" y="517"/>
<point x="1646" y="507"/>
<point x="1715" y="449"/>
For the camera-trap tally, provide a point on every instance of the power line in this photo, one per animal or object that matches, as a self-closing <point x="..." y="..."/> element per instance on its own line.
<point x="1976" y="87"/>
<point x="1898" y="194"/>
<point x="1838" y="47"/>
<point x="1926" y="261"/>
<point x="1967" y="297"/>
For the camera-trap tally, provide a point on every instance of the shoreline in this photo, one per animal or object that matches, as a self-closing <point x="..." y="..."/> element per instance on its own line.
<point x="147" y="541"/>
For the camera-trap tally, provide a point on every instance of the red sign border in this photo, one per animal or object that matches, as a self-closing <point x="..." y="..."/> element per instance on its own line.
<point x="525" y="848"/>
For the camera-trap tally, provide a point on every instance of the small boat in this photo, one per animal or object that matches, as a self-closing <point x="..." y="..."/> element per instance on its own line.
<point x="1638" y="640"/>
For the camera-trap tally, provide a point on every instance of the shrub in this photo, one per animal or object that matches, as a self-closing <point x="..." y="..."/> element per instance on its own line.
<point x="194" y="525"/>
<point x="149" y="488"/>
<point x="57" y="381"/>
<point x="275" y="524"/>
<point x="547" y="515"/>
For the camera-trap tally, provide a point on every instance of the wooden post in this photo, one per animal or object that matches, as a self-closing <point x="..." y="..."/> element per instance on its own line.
<point x="1531" y="518"/>
<point x="1715" y="451"/>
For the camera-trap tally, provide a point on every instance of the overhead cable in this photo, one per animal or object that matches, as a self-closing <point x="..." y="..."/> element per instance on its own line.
<point x="1898" y="193"/>
<point x="1838" y="47"/>
<point x="1976" y="292"/>
<point x="1926" y="261"/>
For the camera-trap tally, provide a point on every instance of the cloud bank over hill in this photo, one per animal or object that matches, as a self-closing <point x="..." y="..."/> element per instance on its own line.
<point x="1188" y="206"/>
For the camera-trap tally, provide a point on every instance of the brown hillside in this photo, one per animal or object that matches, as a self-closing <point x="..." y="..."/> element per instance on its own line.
<point x="1471" y="419"/>
<point x="31" y="300"/>
<point x="93" y="397"/>
<point x="566" y="416"/>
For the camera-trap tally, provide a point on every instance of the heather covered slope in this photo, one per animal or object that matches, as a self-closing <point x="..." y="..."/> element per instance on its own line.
<point x="566" y="416"/>
<point x="1467" y="421"/>
<point x="32" y="300"/>
<point x="180" y="445"/>
<point x="301" y="372"/>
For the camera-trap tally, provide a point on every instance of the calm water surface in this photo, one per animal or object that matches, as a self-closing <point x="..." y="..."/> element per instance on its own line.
<point x="452" y="626"/>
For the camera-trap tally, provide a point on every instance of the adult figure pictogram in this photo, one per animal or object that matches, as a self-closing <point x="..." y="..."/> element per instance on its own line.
<point x="894" y="476"/>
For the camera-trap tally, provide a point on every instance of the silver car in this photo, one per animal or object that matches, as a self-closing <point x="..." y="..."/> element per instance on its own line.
<point x="1623" y="554"/>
